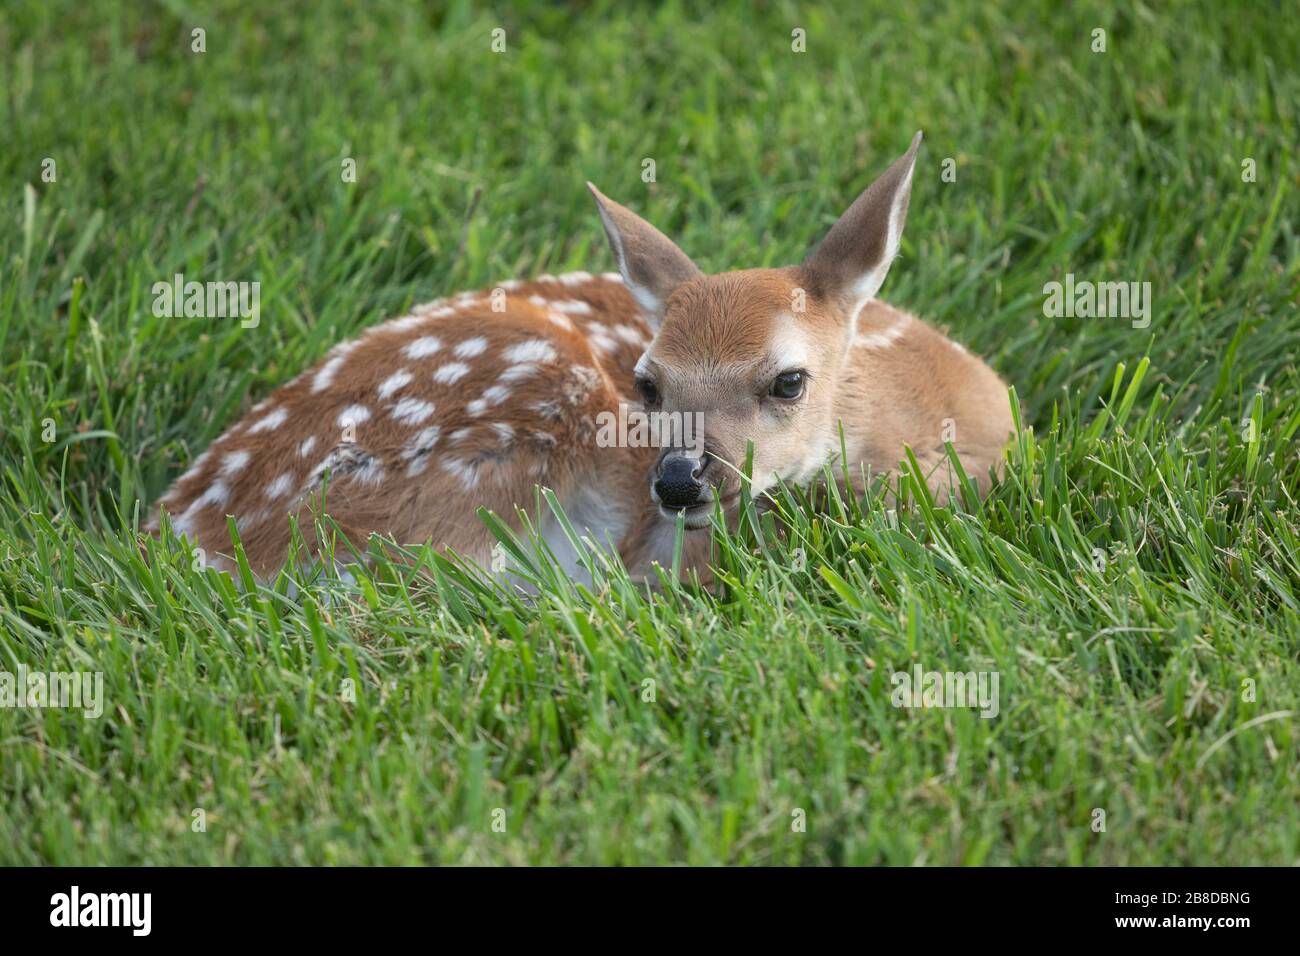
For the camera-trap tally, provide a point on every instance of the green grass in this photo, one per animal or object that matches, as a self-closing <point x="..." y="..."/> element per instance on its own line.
<point x="1139" y="563"/>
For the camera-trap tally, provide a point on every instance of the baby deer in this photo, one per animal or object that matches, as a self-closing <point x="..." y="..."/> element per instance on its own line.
<point x="474" y="401"/>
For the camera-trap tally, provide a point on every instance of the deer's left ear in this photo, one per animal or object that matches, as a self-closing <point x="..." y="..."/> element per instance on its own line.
<point x="852" y="261"/>
<point x="650" y="263"/>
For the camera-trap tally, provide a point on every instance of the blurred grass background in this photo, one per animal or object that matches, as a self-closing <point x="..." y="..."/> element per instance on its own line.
<point x="1122" y="684"/>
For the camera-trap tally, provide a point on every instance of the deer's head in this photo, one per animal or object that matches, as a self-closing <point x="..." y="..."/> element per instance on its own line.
<point x="758" y="355"/>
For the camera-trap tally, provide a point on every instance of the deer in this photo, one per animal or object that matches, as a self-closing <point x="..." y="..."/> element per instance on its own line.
<point x="480" y="399"/>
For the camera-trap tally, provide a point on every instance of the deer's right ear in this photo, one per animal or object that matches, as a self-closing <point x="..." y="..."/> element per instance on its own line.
<point x="852" y="261"/>
<point x="651" y="265"/>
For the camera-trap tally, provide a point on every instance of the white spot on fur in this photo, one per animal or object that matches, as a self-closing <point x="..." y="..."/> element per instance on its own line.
<point x="270" y="422"/>
<point x="416" y="451"/>
<point x="435" y="310"/>
<point x="575" y="278"/>
<point x="572" y="307"/>
<point x="601" y="340"/>
<point x="533" y="350"/>
<point x="234" y="463"/>
<point x="412" y="411"/>
<point x="504" y="431"/>
<point x="494" y="395"/>
<point x="563" y="321"/>
<point x="280" y="487"/>
<point x="305" y="448"/>
<point x="422" y="347"/>
<point x="405" y="324"/>
<point x="353" y="415"/>
<point x="216" y="494"/>
<point x="325" y="377"/>
<point x="516" y="373"/>
<point x="451" y="373"/>
<point x="393" y="383"/>
<point x="471" y="347"/>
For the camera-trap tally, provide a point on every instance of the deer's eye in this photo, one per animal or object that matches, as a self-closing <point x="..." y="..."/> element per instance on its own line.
<point x="787" y="386"/>
<point x="648" y="391"/>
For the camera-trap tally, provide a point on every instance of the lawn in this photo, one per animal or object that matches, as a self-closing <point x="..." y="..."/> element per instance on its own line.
<point x="1134" y="580"/>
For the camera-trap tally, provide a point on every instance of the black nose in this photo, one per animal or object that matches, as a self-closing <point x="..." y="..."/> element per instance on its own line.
<point x="677" y="483"/>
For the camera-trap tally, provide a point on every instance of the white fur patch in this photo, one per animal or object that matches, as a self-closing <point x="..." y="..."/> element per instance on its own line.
<point x="572" y="307"/>
<point x="789" y="343"/>
<point x="325" y="377"/>
<point x="598" y="518"/>
<point x="394" y="382"/>
<point x="630" y="335"/>
<point x="405" y="324"/>
<point x="492" y="396"/>
<point x="599" y="339"/>
<point x="280" y="487"/>
<point x="516" y="373"/>
<point x="471" y="347"/>
<point x="422" y="347"/>
<point x="353" y="415"/>
<point x="412" y="411"/>
<point x="451" y="373"/>
<point x="533" y="350"/>
<point x="416" y="452"/>
<point x="271" y="422"/>
<point x="216" y="494"/>
<point x="881" y="340"/>
<point x="435" y="310"/>
<point x="234" y="463"/>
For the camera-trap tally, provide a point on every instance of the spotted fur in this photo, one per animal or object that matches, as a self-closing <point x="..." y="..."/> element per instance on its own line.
<point x="475" y="400"/>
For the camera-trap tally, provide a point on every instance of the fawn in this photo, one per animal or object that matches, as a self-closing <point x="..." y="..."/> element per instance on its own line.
<point x="475" y="400"/>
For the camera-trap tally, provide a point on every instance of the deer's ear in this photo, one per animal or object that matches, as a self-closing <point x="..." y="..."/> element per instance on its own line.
<point x="852" y="261"/>
<point x="651" y="265"/>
